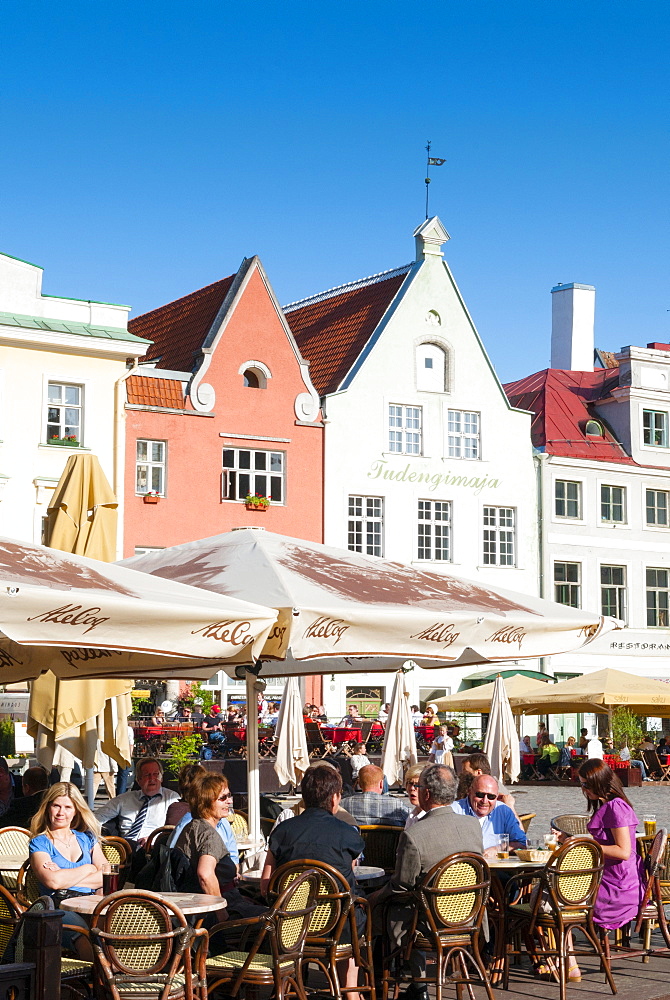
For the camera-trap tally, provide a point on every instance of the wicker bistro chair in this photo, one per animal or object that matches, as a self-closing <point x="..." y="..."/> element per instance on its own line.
<point x="160" y="835"/>
<point x="654" y="901"/>
<point x="13" y="840"/>
<point x="10" y="911"/>
<point x="144" y="949"/>
<point x="572" y="824"/>
<point x="36" y="942"/>
<point x="240" y="826"/>
<point x="333" y="934"/>
<point x="381" y="845"/>
<point x="655" y="767"/>
<point x="568" y="887"/>
<point x="317" y="744"/>
<point x="118" y="852"/>
<point x="28" y="888"/>
<point x="447" y="920"/>
<point x="525" y="820"/>
<point x="275" y="956"/>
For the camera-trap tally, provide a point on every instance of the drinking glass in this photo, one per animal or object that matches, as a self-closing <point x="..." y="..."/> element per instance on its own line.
<point x="649" y="825"/>
<point x="550" y="842"/>
<point x="110" y="879"/>
<point x="503" y="846"/>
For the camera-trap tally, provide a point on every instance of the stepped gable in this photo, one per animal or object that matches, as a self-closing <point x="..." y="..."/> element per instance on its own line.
<point x="333" y="327"/>
<point x="178" y="330"/>
<point x="562" y="402"/>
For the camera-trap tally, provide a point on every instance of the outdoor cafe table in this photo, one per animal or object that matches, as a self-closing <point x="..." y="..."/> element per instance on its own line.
<point x="12" y="862"/>
<point x="497" y="906"/>
<point x="190" y="903"/>
<point x="341" y="734"/>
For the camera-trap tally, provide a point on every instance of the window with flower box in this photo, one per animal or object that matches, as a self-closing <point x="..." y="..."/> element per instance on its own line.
<point x="249" y="472"/>
<point x="64" y="414"/>
<point x="150" y="466"/>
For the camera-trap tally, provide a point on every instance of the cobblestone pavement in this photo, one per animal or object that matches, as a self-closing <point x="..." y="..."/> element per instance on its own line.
<point x="550" y="800"/>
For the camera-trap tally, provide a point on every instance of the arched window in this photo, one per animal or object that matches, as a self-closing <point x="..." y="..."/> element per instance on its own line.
<point x="594" y="429"/>
<point x="254" y="374"/>
<point x="431" y="368"/>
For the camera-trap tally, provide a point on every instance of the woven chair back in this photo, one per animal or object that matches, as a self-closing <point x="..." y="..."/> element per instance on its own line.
<point x="293" y="911"/>
<point x="333" y="895"/>
<point x="9" y="915"/>
<point x="160" y="835"/>
<point x="239" y="825"/>
<point x="572" y="824"/>
<point x="41" y="904"/>
<point x="381" y="845"/>
<point x="455" y="891"/>
<point x="136" y="931"/>
<point x="116" y="850"/>
<point x="574" y="874"/>
<point x="13" y="840"/>
<point x="28" y="889"/>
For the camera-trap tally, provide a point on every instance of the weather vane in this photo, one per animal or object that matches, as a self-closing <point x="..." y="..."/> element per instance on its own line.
<point x="431" y="161"/>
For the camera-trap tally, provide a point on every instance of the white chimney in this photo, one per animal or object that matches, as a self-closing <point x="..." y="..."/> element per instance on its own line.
<point x="573" y="310"/>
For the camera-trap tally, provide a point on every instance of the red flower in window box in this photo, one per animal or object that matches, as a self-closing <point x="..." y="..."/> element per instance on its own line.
<point x="152" y="497"/>
<point x="256" y="501"/>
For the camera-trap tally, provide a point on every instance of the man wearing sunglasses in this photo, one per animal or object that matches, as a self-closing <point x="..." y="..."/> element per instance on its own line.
<point x="494" y="816"/>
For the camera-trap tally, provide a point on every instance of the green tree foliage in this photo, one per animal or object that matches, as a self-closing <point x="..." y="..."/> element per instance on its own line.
<point x="627" y="728"/>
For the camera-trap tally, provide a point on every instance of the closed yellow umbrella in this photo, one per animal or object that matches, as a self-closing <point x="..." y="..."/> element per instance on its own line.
<point x="80" y="715"/>
<point x="479" y="699"/>
<point x="83" y="513"/>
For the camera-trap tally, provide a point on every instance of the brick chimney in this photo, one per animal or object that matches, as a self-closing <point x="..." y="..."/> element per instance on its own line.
<point x="572" y="327"/>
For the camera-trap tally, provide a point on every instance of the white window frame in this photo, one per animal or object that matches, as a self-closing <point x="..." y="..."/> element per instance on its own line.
<point x="655" y="507"/>
<point x="151" y="465"/>
<point x="405" y="429"/>
<point x="65" y="383"/>
<point x="434" y="533"/>
<point x="653" y="427"/>
<point x="499" y="536"/>
<point x="620" y="591"/>
<point x="566" y="500"/>
<point x="660" y="588"/>
<point x="464" y="434"/>
<point x="365" y="525"/>
<point x="611" y="503"/>
<point x="573" y="582"/>
<point x="234" y="485"/>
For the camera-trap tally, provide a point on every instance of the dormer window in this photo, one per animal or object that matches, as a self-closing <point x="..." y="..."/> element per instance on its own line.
<point x="254" y="374"/>
<point x="655" y="428"/>
<point x="594" y="429"/>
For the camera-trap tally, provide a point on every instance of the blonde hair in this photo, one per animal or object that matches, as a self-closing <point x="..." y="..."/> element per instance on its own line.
<point x="84" y="820"/>
<point x="413" y="772"/>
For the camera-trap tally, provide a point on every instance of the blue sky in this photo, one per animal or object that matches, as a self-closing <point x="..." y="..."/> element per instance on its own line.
<point x="149" y="147"/>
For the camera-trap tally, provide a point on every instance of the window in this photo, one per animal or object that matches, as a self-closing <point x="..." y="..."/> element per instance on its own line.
<point x="657" y="507"/>
<point x="568" y="499"/>
<point x="567" y="584"/>
<point x="150" y="467"/>
<point x="463" y="434"/>
<point x="434" y="530"/>
<point x="499" y="536"/>
<point x="612" y="504"/>
<point x="655" y="428"/>
<point x="64" y="412"/>
<point x="431" y="368"/>
<point x="613" y="591"/>
<point x="657" y="598"/>
<point x="405" y="429"/>
<point x="247" y="472"/>
<point x="594" y="429"/>
<point x="366" y="525"/>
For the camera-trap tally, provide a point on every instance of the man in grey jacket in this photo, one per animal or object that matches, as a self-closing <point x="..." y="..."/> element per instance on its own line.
<point x="434" y="837"/>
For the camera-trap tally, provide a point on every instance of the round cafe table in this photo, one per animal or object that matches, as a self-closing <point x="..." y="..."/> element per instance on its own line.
<point x="190" y="903"/>
<point x="496" y="906"/>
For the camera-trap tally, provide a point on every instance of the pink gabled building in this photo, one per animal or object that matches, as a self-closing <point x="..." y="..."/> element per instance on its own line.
<point x="222" y="406"/>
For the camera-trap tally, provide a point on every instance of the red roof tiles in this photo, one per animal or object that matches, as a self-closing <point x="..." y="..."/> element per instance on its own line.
<point x="177" y="330"/>
<point x="562" y="402"/>
<point x="332" y="329"/>
<point x="145" y="391"/>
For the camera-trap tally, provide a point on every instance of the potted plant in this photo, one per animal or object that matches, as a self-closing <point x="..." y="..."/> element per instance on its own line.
<point x="151" y="497"/>
<point x="70" y="441"/>
<point x="256" y="501"/>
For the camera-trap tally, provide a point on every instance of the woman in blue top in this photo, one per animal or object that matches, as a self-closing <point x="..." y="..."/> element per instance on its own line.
<point x="65" y="853"/>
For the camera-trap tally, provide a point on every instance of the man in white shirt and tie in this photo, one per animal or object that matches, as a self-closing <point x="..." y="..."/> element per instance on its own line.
<point x="140" y="813"/>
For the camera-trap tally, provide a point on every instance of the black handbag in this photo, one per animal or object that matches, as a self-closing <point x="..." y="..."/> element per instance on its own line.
<point x="61" y="894"/>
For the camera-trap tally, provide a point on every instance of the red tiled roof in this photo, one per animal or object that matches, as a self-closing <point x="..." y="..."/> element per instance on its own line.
<point x="178" y="329"/>
<point x="332" y="328"/>
<point x="145" y="391"/>
<point x="562" y="402"/>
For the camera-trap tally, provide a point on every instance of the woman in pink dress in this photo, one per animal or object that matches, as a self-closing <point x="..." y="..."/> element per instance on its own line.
<point x="613" y="824"/>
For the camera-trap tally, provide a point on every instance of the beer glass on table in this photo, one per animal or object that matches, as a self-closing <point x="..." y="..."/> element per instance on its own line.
<point x="503" y="847"/>
<point x="110" y="879"/>
<point x="649" y="825"/>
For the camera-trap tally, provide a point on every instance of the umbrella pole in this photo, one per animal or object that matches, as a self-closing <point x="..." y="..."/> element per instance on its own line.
<point x="90" y="791"/>
<point x="253" y="775"/>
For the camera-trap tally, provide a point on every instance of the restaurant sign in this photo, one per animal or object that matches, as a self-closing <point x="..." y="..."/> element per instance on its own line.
<point x="631" y="642"/>
<point x="380" y="469"/>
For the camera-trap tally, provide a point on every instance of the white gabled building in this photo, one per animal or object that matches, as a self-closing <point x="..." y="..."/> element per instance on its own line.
<point x="426" y="461"/>
<point x="602" y="441"/>
<point x="60" y="364"/>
